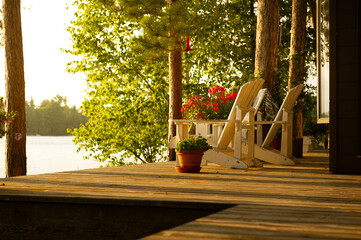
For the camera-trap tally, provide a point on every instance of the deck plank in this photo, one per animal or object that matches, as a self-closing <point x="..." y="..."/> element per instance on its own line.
<point x="276" y="202"/>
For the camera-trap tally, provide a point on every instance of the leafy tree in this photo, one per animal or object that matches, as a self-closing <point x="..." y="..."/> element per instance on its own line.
<point x="287" y="55"/>
<point x="123" y="47"/>
<point x="296" y="70"/>
<point x="52" y="117"/>
<point x="124" y="54"/>
<point x="33" y="123"/>
<point x="15" y="152"/>
<point x="267" y="42"/>
<point x="224" y="44"/>
<point x="127" y="96"/>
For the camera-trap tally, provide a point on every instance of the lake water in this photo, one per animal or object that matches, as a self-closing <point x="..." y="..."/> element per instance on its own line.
<point x="50" y="154"/>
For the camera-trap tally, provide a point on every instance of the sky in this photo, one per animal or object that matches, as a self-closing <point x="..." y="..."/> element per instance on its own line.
<point x="44" y="25"/>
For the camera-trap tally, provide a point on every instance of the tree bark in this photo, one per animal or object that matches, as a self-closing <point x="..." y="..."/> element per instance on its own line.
<point x="175" y="93"/>
<point x="267" y="42"/>
<point x="297" y="68"/>
<point x="312" y="8"/>
<point x="15" y="151"/>
<point x="175" y="87"/>
<point x="253" y="35"/>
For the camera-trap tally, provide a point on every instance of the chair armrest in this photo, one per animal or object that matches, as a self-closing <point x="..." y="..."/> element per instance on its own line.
<point x="269" y="122"/>
<point x="201" y="121"/>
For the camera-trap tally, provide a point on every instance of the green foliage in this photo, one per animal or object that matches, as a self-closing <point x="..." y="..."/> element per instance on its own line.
<point x="223" y="45"/>
<point x="284" y="52"/>
<point x="319" y="131"/>
<point x="6" y="117"/>
<point x="3" y="117"/>
<point x="310" y="125"/>
<point x="191" y="143"/>
<point x="52" y="117"/>
<point x="127" y="96"/>
<point x="123" y="49"/>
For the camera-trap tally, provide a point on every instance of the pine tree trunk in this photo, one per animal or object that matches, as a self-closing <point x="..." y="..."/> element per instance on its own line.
<point x="175" y="88"/>
<point x="267" y="41"/>
<point x="15" y="151"/>
<point x="312" y="9"/>
<point x="253" y="35"/>
<point x="175" y="93"/>
<point x="297" y="69"/>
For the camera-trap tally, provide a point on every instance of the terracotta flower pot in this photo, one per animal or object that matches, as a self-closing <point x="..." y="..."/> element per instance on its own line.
<point x="190" y="161"/>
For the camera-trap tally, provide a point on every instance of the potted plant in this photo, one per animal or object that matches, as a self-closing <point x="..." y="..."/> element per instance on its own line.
<point x="190" y="152"/>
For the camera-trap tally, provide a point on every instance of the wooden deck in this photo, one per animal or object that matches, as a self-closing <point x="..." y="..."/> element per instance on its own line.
<point x="299" y="202"/>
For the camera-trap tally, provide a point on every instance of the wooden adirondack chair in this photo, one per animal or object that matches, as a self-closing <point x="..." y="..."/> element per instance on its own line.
<point x="233" y="128"/>
<point x="283" y="118"/>
<point x="258" y="115"/>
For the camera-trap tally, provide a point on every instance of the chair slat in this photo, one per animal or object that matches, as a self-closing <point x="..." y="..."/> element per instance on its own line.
<point x="287" y="105"/>
<point x="245" y="97"/>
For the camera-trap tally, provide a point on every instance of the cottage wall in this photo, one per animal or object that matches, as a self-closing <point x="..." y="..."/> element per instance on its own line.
<point x="345" y="100"/>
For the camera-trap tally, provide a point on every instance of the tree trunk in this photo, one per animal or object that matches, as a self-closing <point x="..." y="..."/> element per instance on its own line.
<point x="297" y="69"/>
<point x="15" y="151"/>
<point x="267" y="42"/>
<point x="175" y="93"/>
<point x="253" y="35"/>
<point x="312" y="8"/>
<point x="175" y="87"/>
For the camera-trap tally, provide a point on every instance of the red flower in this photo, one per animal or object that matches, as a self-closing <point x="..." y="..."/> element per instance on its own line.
<point x="234" y="95"/>
<point x="215" y="106"/>
<point x="221" y="89"/>
<point x="224" y="100"/>
<point x="210" y="90"/>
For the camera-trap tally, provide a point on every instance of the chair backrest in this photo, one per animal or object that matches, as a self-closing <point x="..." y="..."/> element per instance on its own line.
<point x="256" y="104"/>
<point x="287" y="105"/>
<point x="246" y="95"/>
<point x="259" y="98"/>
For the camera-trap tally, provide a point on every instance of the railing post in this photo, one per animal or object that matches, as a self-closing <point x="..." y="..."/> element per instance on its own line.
<point x="287" y="128"/>
<point x="182" y="133"/>
<point x="238" y="134"/>
<point x="259" y="130"/>
<point x="217" y="129"/>
<point x="251" y="127"/>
